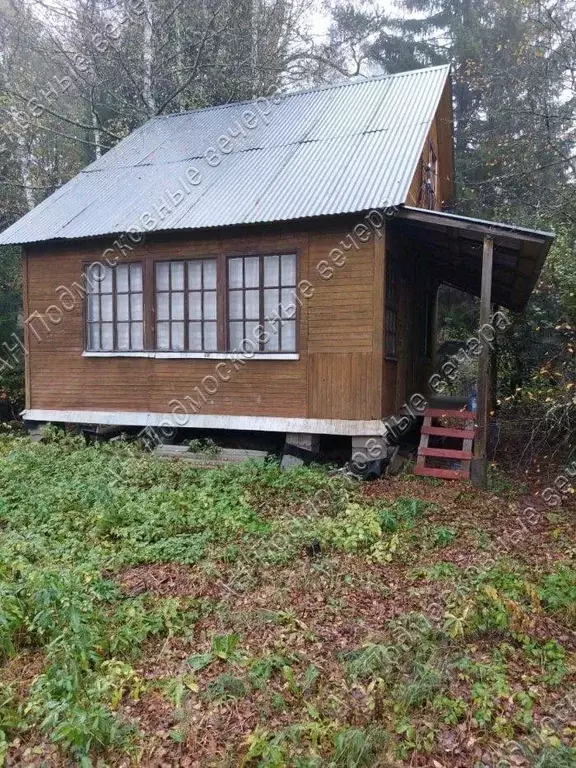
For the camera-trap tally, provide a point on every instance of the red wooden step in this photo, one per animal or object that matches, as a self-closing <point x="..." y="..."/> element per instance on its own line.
<point x="446" y="453"/>
<point x="465" y="434"/>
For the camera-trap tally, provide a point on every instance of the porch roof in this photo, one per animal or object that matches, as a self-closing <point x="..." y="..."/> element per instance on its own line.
<point x="452" y="246"/>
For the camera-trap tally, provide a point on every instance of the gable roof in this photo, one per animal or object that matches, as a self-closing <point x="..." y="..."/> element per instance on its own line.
<point x="336" y="149"/>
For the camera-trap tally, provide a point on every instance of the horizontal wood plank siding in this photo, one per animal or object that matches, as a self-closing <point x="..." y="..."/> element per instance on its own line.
<point x="342" y="319"/>
<point x="334" y="377"/>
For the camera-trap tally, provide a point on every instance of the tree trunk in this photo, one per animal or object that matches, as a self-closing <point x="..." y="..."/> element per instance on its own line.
<point x="24" y="164"/>
<point x="179" y="57"/>
<point x="148" y="56"/>
<point x="97" y="132"/>
<point x="254" y="51"/>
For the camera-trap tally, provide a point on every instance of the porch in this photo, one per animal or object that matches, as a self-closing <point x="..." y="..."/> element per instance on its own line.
<point x="500" y="264"/>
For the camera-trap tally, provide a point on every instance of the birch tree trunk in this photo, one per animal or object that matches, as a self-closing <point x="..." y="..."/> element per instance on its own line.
<point x="24" y="165"/>
<point x="148" y="56"/>
<point x="96" y="126"/>
<point x="254" y="52"/>
<point x="179" y="57"/>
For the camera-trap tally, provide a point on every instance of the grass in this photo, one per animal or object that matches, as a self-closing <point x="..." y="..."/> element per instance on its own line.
<point x="151" y="611"/>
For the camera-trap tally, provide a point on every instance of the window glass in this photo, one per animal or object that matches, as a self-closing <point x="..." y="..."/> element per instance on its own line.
<point x="391" y="340"/>
<point x="114" y="308"/>
<point x="262" y="303"/>
<point x="186" y="306"/>
<point x="260" y="310"/>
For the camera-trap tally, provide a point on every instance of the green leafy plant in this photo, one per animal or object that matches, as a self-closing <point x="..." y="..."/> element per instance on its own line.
<point x="442" y="537"/>
<point x="227" y="686"/>
<point x="205" y="446"/>
<point x="223" y="649"/>
<point x="558" y="592"/>
<point x="355" y="747"/>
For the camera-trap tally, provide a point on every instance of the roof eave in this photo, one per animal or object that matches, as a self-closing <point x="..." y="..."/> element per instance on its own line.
<point x="461" y="252"/>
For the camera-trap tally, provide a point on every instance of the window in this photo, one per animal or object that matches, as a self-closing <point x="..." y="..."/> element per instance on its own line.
<point x="261" y="296"/>
<point x="115" y="311"/>
<point x="391" y="341"/>
<point x="186" y="309"/>
<point x="428" y="192"/>
<point x="220" y="304"/>
<point x="432" y="178"/>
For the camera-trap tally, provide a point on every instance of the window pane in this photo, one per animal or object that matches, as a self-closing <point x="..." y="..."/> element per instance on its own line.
<point x="122" y="278"/>
<point x="195" y="337"/>
<point x="123" y="336"/>
<point x="289" y="269"/>
<point x="252" y="272"/>
<point x="177" y="306"/>
<point x="271" y="297"/>
<point x="236" y="305"/>
<point x="163" y="335"/>
<point x="137" y="336"/>
<point x="210" y="305"/>
<point x="272" y="344"/>
<point x="107" y="337"/>
<point x="210" y="274"/>
<point x="136" y="306"/>
<point x="194" y="305"/>
<point x="136" y="277"/>
<point x="210" y="337"/>
<point x="271" y="270"/>
<point x="113" y="304"/>
<point x="288" y="303"/>
<point x="93" y="308"/>
<point x="178" y="336"/>
<point x="252" y="337"/>
<point x="235" y="273"/>
<point x="177" y="272"/>
<point x="252" y="305"/>
<point x="163" y="306"/>
<point x="94" y="337"/>
<point x="195" y="274"/>
<point x="236" y="335"/>
<point x="106" y="281"/>
<point x="93" y="275"/>
<point x="162" y="277"/>
<point x="289" y="336"/>
<point x="106" y="307"/>
<point x="263" y="299"/>
<point x="122" y="312"/>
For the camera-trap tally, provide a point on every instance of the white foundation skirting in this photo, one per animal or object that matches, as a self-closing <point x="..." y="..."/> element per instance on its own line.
<point x="207" y="421"/>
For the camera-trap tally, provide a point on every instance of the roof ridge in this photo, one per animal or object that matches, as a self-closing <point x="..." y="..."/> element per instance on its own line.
<point x="313" y="89"/>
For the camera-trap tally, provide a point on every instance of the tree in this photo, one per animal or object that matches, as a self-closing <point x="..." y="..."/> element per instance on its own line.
<point x="511" y="122"/>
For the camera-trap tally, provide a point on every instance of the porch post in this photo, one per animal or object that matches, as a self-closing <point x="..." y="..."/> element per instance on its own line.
<point x="480" y="460"/>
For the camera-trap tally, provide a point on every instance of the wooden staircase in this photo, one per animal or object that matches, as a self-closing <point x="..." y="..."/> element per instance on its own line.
<point x="463" y="432"/>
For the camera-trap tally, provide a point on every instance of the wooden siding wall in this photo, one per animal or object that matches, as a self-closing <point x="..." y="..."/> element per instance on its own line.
<point x="339" y="373"/>
<point x="441" y="139"/>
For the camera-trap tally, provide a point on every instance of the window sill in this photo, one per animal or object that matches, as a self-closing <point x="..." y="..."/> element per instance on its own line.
<point x="200" y="355"/>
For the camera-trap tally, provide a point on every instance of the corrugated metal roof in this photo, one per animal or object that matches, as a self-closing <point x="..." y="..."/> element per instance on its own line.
<point x="336" y="149"/>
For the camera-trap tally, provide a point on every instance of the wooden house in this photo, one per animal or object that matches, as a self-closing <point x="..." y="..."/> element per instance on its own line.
<point x="268" y="265"/>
